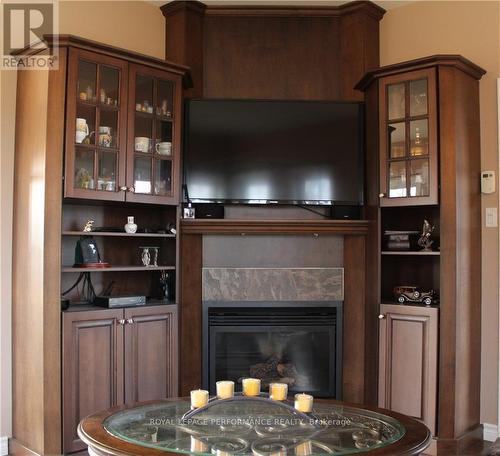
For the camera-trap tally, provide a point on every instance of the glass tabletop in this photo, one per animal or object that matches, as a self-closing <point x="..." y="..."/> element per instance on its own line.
<point x="257" y="428"/>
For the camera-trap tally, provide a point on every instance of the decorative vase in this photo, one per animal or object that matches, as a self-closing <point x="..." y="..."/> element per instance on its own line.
<point x="130" y="227"/>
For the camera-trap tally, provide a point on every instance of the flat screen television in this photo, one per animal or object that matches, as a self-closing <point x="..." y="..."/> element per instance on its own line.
<point x="274" y="152"/>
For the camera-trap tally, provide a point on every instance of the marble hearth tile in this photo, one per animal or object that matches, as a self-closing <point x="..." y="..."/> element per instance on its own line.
<point x="273" y="284"/>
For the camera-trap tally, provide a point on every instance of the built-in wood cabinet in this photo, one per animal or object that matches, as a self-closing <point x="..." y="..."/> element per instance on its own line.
<point x="408" y="351"/>
<point x="122" y="129"/>
<point x="408" y="139"/>
<point x="150" y="353"/>
<point x="92" y="374"/>
<point x="427" y="174"/>
<point x="117" y="356"/>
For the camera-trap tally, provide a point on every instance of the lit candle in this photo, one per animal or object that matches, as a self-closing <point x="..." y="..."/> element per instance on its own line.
<point x="225" y="389"/>
<point x="198" y="446"/>
<point x="304" y="448"/>
<point x="251" y="386"/>
<point x="278" y="391"/>
<point x="199" y="398"/>
<point x="303" y="403"/>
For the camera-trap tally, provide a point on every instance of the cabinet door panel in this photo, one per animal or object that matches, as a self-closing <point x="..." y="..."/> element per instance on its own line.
<point x="153" y="143"/>
<point x="96" y="123"/>
<point x="408" y="361"/>
<point x="92" y="368"/>
<point x="408" y="132"/>
<point x="150" y="353"/>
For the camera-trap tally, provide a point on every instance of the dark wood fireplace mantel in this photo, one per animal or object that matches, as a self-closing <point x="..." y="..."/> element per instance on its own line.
<point x="358" y="320"/>
<point x="230" y="226"/>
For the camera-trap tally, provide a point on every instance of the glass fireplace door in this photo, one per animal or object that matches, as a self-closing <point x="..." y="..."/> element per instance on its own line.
<point x="304" y="357"/>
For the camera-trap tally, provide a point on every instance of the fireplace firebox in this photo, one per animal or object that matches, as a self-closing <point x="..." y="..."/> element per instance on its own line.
<point x="298" y="343"/>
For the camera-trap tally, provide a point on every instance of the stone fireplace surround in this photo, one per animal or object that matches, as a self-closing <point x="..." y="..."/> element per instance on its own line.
<point x="262" y="321"/>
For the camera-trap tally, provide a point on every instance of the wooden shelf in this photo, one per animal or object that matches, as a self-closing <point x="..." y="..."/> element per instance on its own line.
<point x="117" y="234"/>
<point x="420" y="253"/>
<point x="282" y="226"/>
<point x="118" y="269"/>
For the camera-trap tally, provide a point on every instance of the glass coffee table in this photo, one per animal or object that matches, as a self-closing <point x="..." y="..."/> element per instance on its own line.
<point x="251" y="428"/>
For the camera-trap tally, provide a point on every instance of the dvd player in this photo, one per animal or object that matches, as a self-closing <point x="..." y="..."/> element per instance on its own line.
<point x="119" y="301"/>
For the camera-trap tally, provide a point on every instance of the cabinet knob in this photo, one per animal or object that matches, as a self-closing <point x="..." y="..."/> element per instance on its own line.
<point x="381" y="195"/>
<point x="123" y="188"/>
<point x="130" y="321"/>
<point x="381" y="317"/>
<point x="131" y="189"/>
<point x="121" y="321"/>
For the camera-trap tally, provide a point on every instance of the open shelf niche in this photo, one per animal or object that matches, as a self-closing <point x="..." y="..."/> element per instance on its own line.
<point x="126" y="274"/>
<point x="410" y="268"/>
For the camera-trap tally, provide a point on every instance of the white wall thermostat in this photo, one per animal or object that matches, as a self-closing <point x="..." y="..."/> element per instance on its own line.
<point x="487" y="182"/>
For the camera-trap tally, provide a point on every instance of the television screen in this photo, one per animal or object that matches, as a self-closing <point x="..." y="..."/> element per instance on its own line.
<point x="264" y="152"/>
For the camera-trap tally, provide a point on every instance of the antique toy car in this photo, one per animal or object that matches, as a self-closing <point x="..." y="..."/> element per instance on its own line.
<point x="414" y="295"/>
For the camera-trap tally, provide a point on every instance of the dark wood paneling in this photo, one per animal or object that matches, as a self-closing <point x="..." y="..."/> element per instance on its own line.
<point x="92" y="368"/>
<point x="228" y="226"/>
<point x="460" y="336"/>
<point x="275" y="52"/>
<point x="151" y="353"/>
<point x="372" y="269"/>
<point x="355" y="343"/>
<point x="359" y="50"/>
<point x="271" y="57"/>
<point x="190" y="313"/>
<point x="186" y="17"/>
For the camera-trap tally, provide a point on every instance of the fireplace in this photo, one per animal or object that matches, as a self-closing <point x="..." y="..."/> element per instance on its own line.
<point x="297" y="342"/>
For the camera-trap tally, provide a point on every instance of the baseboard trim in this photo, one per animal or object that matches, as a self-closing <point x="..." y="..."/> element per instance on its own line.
<point x="457" y="446"/>
<point x="490" y="432"/>
<point x="18" y="449"/>
<point x="4" y="446"/>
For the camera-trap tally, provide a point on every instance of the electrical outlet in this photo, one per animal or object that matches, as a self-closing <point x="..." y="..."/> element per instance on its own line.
<point x="491" y="217"/>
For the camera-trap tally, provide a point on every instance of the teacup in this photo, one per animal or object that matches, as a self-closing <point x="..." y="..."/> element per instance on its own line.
<point x="164" y="148"/>
<point x="142" y="144"/>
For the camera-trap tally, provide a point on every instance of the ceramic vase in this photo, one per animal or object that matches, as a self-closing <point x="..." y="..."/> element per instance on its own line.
<point x="130" y="226"/>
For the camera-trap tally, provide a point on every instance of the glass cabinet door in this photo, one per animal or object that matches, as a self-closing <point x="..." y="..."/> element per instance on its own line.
<point x="408" y="152"/>
<point x="96" y="136"/>
<point x="153" y="136"/>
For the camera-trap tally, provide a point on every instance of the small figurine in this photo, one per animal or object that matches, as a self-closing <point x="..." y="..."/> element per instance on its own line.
<point x="88" y="226"/>
<point x="425" y="238"/>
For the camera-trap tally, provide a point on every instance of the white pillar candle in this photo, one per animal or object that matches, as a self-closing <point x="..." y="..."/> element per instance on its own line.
<point x="225" y="389"/>
<point x="251" y="386"/>
<point x="278" y="391"/>
<point x="304" y="402"/>
<point x="199" y="398"/>
<point x="198" y="446"/>
<point x="304" y="448"/>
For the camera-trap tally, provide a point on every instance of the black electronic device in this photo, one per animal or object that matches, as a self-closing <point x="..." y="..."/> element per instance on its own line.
<point x="209" y="211"/>
<point x="87" y="254"/>
<point x="274" y="152"/>
<point x="119" y="301"/>
<point x="345" y="212"/>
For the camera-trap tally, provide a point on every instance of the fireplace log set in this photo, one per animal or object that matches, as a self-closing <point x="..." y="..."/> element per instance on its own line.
<point x="275" y="370"/>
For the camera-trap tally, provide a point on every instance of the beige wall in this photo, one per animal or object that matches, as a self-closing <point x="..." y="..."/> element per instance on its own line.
<point x="472" y="29"/>
<point x="135" y="25"/>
